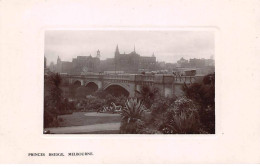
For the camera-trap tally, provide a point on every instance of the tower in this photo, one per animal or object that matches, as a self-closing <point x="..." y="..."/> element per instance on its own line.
<point x="117" y="51"/>
<point x="58" y="60"/>
<point x="134" y="48"/>
<point x="98" y="54"/>
<point x="59" y="65"/>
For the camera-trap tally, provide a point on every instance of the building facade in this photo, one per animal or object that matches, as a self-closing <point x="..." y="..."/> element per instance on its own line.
<point x="79" y="65"/>
<point x="85" y="64"/>
<point x="202" y="66"/>
<point x="133" y="62"/>
<point x="182" y="63"/>
<point x="127" y="63"/>
<point x="63" y="66"/>
<point x="195" y="63"/>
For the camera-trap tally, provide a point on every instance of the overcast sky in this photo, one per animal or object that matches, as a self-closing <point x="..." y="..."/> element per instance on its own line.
<point x="168" y="46"/>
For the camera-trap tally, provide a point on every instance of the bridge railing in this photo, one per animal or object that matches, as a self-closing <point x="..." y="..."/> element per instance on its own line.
<point x="148" y="78"/>
<point x="187" y="79"/>
<point x="123" y="77"/>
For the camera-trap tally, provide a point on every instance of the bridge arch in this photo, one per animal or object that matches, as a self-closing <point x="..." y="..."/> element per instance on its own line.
<point x="77" y="83"/>
<point x="91" y="86"/>
<point x="117" y="89"/>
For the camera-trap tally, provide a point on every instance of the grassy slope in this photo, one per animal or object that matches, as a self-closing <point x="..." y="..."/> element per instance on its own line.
<point x="79" y="119"/>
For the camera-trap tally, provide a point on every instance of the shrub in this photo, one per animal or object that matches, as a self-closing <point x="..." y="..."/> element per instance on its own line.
<point x="131" y="116"/>
<point x="204" y="95"/>
<point x="182" y="123"/>
<point x="181" y="118"/>
<point x="66" y="107"/>
<point x="121" y="100"/>
<point x="160" y="105"/>
<point x="146" y="130"/>
<point x="93" y="104"/>
<point x="48" y="118"/>
<point x="60" y="119"/>
<point x="109" y="99"/>
<point x="134" y="109"/>
<point x="158" y="109"/>
<point x="100" y="94"/>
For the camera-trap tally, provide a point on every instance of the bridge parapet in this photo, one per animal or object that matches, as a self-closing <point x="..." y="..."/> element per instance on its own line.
<point x="157" y="78"/>
<point x="163" y="79"/>
<point x="120" y="77"/>
<point x="148" y="78"/>
<point x="131" y="77"/>
<point x="188" y="79"/>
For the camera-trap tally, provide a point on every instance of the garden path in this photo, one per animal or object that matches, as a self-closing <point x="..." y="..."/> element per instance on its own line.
<point x="85" y="128"/>
<point x="102" y="128"/>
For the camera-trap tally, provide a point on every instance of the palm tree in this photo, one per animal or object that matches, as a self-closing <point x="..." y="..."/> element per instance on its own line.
<point x="147" y="94"/>
<point x="132" y="113"/>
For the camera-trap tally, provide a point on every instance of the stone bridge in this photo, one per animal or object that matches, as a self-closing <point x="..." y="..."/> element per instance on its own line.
<point x="168" y="85"/>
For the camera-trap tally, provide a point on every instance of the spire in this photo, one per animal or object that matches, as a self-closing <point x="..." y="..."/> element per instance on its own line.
<point x="153" y="54"/>
<point x="134" y="48"/>
<point x="117" y="50"/>
<point x="58" y="60"/>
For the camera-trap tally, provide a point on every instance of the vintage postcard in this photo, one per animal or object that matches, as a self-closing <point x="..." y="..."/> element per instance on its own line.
<point x="142" y="82"/>
<point x="129" y="81"/>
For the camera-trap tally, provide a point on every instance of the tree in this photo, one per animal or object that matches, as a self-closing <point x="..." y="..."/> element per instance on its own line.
<point x="132" y="115"/>
<point x="72" y="91"/>
<point x="52" y="98"/>
<point x="204" y="95"/>
<point x="147" y="94"/>
<point x="56" y="93"/>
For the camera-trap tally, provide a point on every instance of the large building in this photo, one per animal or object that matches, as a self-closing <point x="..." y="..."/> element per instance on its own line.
<point x="79" y="65"/>
<point x="182" y="63"/>
<point x="107" y="65"/>
<point x="85" y="64"/>
<point x="133" y="62"/>
<point x="202" y="66"/>
<point x="127" y="63"/>
<point x="63" y="66"/>
<point x="195" y="63"/>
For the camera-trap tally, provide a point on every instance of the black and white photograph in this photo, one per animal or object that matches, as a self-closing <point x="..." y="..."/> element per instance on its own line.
<point x="129" y="82"/>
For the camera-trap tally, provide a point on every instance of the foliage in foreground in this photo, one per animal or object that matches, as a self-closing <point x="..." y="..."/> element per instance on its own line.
<point x="98" y="101"/>
<point x="132" y="117"/>
<point x="54" y="103"/>
<point x="148" y="94"/>
<point x="193" y="113"/>
<point x="159" y="108"/>
<point x="204" y="95"/>
<point x="182" y="118"/>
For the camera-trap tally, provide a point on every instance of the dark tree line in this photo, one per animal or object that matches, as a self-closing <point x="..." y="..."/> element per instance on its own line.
<point x="204" y="95"/>
<point x="54" y="102"/>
